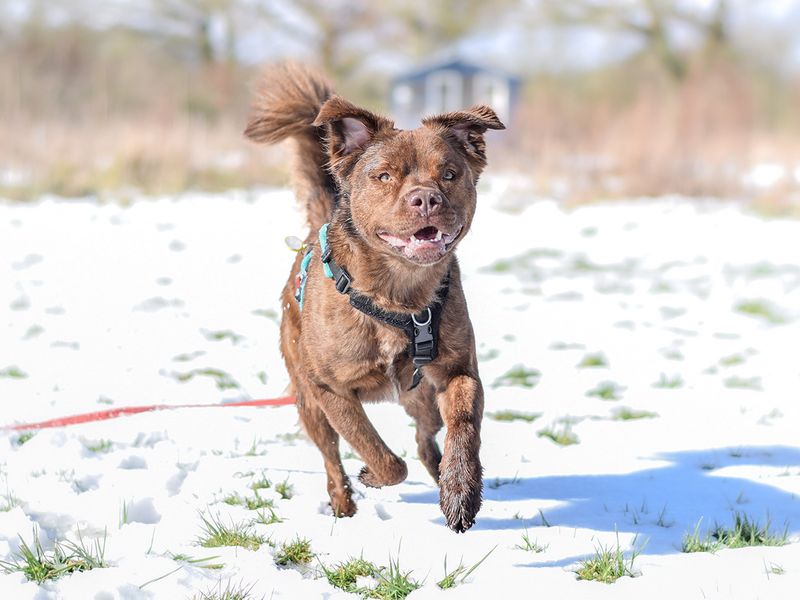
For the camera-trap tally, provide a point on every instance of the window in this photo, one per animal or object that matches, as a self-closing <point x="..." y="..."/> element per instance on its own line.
<point x="492" y="90"/>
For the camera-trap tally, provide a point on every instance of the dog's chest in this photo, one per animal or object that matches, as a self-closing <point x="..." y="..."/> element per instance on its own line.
<point x="381" y="383"/>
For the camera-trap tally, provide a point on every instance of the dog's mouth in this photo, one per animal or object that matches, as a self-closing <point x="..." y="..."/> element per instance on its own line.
<point x="426" y="245"/>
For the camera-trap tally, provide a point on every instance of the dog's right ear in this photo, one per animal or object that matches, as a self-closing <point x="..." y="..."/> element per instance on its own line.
<point x="350" y="129"/>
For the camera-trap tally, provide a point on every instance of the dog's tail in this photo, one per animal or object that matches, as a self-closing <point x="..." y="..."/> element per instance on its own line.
<point x="288" y="98"/>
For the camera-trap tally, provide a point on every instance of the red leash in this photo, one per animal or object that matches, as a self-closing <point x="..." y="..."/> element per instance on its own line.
<point x="113" y="413"/>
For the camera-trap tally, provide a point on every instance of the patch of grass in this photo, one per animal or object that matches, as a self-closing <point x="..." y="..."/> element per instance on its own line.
<point x="512" y="415"/>
<point x="345" y="575"/>
<point x="13" y="372"/>
<point x="100" y="446"/>
<point x="760" y="309"/>
<point x="203" y="562"/>
<point x="731" y="360"/>
<point x="285" y="489"/>
<point x="529" y="545"/>
<point x="8" y="501"/>
<point x="594" y="359"/>
<point x="222" y="335"/>
<point x="393" y="584"/>
<point x="65" y="558"/>
<point x="668" y="382"/>
<point x="297" y="552"/>
<point x="773" y="569"/>
<point x="238" y="592"/>
<point x="607" y="565"/>
<point x="743" y="383"/>
<point x="261" y="484"/>
<point x="745" y="532"/>
<point x="263" y="519"/>
<point x="629" y="414"/>
<point x="24" y="437"/>
<point x="254" y="502"/>
<point x="216" y="534"/>
<point x="519" y="375"/>
<point x="223" y="380"/>
<point x="452" y="578"/>
<point x="188" y="356"/>
<point x="606" y="390"/>
<point x="563" y="436"/>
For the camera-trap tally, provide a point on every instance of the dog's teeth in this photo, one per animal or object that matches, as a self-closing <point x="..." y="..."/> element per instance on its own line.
<point x="413" y="238"/>
<point x="438" y="237"/>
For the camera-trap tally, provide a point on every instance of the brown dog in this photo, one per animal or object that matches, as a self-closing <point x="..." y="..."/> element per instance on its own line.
<point x="397" y="203"/>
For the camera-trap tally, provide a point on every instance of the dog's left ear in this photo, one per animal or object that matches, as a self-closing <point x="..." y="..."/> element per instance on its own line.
<point x="466" y="128"/>
<point x="350" y="130"/>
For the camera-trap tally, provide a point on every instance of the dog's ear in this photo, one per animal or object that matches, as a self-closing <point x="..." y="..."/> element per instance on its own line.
<point x="350" y="129"/>
<point x="466" y="129"/>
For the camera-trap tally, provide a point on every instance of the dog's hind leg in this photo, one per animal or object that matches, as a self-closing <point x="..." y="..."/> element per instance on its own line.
<point x="420" y="403"/>
<point x="325" y="437"/>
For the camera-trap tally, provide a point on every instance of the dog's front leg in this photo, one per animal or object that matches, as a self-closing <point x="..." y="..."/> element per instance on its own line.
<point x="460" y="472"/>
<point x="383" y="467"/>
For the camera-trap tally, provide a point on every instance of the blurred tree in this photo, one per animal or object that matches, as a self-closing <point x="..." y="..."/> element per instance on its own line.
<point x="430" y="26"/>
<point x="653" y="21"/>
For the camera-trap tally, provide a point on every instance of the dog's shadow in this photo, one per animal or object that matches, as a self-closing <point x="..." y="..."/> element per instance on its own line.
<point x="661" y="504"/>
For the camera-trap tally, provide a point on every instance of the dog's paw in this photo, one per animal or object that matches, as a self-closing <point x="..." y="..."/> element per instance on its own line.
<point x="393" y="475"/>
<point x="343" y="505"/>
<point x="460" y="493"/>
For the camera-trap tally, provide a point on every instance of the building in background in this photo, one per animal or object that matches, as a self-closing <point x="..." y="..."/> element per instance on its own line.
<point x="451" y="86"/>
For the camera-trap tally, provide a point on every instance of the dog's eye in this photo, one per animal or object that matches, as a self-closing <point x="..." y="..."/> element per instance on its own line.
<point x="384" y="177"/>
<point x="449" y="175"/>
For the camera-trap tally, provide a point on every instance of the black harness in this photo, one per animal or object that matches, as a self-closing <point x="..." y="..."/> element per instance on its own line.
<point x="421" y="329"/>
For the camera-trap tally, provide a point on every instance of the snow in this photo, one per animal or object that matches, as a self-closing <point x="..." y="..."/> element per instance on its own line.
<point x="105" y="306"/>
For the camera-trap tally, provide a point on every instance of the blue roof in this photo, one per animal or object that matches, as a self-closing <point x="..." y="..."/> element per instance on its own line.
<point x="454" y="65"/>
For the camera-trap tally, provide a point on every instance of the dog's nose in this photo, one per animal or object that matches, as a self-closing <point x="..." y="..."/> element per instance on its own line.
<point x="426" y="200"/>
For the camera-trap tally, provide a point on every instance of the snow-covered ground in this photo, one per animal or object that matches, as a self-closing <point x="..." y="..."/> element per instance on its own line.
<point x="686" y="313"/>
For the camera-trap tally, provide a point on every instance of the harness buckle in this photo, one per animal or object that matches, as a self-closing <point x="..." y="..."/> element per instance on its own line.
<point x="342" y="281"/>
<point x="326" y="255"/>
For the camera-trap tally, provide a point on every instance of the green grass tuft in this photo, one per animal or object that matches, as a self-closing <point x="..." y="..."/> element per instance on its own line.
<point x="65" y="558"/>
<point x="203" y="562"/>
<point x="743" y="383"/>
<point x="222" y="335"/>
<point x="452" y="578"/>
<point x="761" y="309"/>
<point x="216" y="534"/>
<point x="297" y="552"/>
<point x="512" y="415"/>
<point x="393" y="584"/>
<point x="100" y="446"/>
<point x="563" y="437"/>
<point x="607" y="565"/>
<point x="239" y="592"/>
<point x="13" y="372"/>
<point x="285" y="489"/>
<point x="345" y="575"/>
<point x="254" y="502"/>
<point x="223" y="380"/>
<point x="519" y="375"/>
<point x="606" y="390"/>
<point x="529" y="545"/>
<point x="24" y="437"/>
<point x="596" y="359"/>
<point x="668" y="382"/>
<point x="263" y="519"/>
<point x="629" y="414"/>
<point x="745" y="532"/>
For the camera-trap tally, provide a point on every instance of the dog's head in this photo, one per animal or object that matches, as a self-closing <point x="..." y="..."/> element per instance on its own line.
<point x="410" y="194"/>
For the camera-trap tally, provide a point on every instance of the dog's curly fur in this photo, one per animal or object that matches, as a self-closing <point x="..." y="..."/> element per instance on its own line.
<point x="375" y="183"/>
